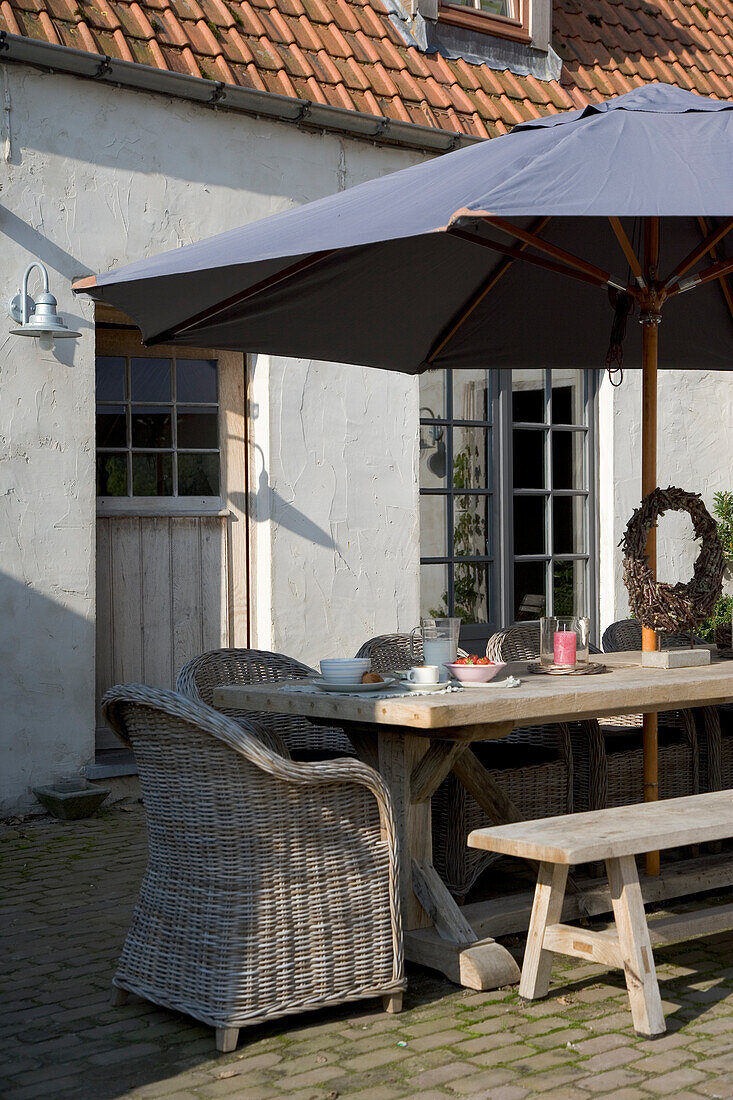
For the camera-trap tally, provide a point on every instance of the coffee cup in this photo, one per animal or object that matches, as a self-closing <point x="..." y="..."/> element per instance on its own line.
<point x="424" y="674"/>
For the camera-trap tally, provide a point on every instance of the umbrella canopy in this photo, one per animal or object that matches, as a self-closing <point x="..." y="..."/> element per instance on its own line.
<point x="416" y="269"/>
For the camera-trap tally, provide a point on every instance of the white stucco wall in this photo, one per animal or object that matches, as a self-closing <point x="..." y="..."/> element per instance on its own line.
<point x="93" y="177"/>
<point x="695" y="415"/>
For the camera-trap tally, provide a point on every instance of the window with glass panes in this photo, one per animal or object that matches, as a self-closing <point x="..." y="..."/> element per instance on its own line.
<point x="456" y="496"/>
<point x="506" y="501"/>
<point x="157" y="426"/>
<point x="552" y="521"/>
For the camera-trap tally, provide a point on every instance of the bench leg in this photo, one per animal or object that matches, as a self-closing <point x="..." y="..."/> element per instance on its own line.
<point x="547" y="909"/>
<point x="635" y="945"/>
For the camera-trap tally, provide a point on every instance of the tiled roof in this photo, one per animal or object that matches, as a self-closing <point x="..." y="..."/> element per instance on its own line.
<point x="348" y="54"/>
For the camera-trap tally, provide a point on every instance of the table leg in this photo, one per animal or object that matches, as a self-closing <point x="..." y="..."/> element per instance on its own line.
<point x="436" y="932"/>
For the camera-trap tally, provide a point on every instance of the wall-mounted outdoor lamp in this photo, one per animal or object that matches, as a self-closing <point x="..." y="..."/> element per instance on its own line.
<point x="38" y="318"/>
<point x="436" y="462"/>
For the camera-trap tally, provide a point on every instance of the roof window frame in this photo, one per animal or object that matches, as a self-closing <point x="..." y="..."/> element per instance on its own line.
<point x="515" y="28"/>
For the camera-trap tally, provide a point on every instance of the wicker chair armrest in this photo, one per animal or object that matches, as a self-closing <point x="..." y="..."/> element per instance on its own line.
<point x="243" y="737"/>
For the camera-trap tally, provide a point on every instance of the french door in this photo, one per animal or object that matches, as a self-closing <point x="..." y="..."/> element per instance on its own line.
<point x="507" y="496"/>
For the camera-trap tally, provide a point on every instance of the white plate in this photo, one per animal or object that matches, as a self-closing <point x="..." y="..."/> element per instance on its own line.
<point x="350" y="688"/>
<point x="414" y="686"/>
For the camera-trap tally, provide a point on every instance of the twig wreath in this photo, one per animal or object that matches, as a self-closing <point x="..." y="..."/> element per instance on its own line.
<point x="672" y="607"/>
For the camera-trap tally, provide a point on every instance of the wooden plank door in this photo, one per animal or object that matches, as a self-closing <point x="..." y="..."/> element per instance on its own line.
<point x="172" y="568"/>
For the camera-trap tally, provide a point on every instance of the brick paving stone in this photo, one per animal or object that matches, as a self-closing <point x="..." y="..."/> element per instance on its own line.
<point x="611" y="1059"/>
<point x="475" y="1085"/>
<point x="438" y="1039"/>
<point x="610" y="1081"/>
<point x="670" y="1084"/>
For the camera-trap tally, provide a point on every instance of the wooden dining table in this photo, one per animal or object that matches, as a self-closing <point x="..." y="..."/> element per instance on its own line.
<point x="415" y="741"/>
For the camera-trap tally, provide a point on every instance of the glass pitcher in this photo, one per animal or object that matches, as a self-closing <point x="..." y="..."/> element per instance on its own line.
<point x="439" y="638"/>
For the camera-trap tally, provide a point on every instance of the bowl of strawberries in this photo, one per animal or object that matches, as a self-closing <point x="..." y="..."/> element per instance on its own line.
<point x="474" y="670"/>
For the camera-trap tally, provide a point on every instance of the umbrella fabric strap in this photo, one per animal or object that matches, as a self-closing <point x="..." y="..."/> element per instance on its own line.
<point x="623" y="305"/>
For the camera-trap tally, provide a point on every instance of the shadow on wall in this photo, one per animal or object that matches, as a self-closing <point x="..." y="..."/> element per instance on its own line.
<point x="267" y="503"/>
<point x="46" y="691"/>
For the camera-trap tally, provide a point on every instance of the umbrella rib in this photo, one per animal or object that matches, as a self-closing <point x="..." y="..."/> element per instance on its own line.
<point x="702" y="222"/>
<point x="628" y="250"/>
<point x="600" y="280"/>
<point x="530" y="238"/>
<point x="699" y="251"/>
<point x="191" y="323"/>
<point x="716" y="271"/>
<point x="488" y="284"/>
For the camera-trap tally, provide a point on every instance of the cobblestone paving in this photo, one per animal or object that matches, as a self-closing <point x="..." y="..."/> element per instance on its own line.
<point x="66" y="894"/>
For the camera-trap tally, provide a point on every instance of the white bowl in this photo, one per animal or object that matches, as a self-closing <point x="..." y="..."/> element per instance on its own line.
<point x="345" y="670"/>
<point x="475" y="674"/>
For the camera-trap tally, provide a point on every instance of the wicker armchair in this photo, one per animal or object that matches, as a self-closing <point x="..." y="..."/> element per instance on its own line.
<point x="618" y="761"/>
<point x="297" y="736"/>
<point x="532" y="768"/>
<point x="271" y="887"/>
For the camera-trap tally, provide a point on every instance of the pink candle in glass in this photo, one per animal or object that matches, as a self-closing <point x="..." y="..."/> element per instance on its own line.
<point x="565" y="647"/>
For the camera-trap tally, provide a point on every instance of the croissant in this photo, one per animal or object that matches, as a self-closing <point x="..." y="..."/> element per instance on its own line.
<point x="372" y="678"/>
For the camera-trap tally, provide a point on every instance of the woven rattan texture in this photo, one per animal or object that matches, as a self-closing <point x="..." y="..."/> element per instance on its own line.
<point x="271" y="886"/>
<point x="540" y="788"/>
<point x="200" y="676"/>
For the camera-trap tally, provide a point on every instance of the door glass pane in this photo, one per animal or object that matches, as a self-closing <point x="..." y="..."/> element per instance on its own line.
<point x="152" y="475"/>
<point x="529" y="525"/>
<point x="568" y="403"/>
<point x="434" y="590"/>
<point x="472" y="586"/>
<point x="151" y="427"/>
<point x="110" y="384"/>
<point x="471" y="467"/>
<point x="528" y="448"/>
<point x="150" y="379"/>
<point x="433" y="394"/>
<point x="528" y="396"/>
<point x="472" y="395"/>
<point x="196" y="380"/>
<point x="433" y="526"/>
<point x="569" y="588"/>
<point x="530" y="590"/>
<point x="111" y="426"/>
<point x="471" y="525"/>
<point x="112" y="475"/>
<point x="568" y="449"/>
<point x="433" y="456"/>
<point x="198" y="428"/>
<point x="198" y="475"/>
<point x="568" y="525"/>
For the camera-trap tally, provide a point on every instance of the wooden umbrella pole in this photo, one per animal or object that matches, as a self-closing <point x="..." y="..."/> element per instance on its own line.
<point x="650" y="317"/>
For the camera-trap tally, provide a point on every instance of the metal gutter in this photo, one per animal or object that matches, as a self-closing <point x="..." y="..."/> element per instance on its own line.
<point x="229" y="97"/>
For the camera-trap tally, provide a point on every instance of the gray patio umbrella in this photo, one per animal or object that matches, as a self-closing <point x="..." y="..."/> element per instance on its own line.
<point x="419" y="269"/>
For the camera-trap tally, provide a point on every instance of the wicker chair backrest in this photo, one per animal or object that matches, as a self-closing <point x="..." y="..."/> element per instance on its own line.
<point x="202" y="674"/>
<point x="517" y="643"/>
<point x="626" y="634"/>
<point x="390" y="651"/>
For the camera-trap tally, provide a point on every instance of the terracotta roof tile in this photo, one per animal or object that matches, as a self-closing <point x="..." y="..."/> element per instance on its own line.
<point x="349" y="53"/>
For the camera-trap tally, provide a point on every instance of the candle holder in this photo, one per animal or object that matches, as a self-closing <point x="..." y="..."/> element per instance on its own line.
<point x="564" y="642"/>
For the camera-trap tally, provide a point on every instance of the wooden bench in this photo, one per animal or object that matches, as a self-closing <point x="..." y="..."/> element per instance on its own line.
<point x="616" y="836"/>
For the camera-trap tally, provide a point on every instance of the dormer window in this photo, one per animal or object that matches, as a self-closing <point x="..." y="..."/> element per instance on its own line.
<point x="501" y="18"/>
